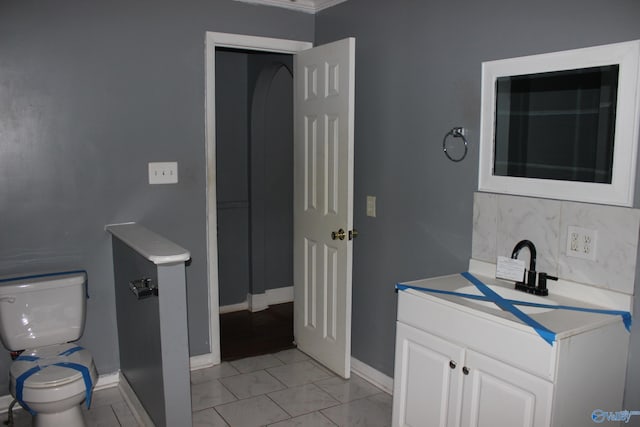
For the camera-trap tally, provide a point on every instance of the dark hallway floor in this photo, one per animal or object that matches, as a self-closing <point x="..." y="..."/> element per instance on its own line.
<point x="244" y="334"/>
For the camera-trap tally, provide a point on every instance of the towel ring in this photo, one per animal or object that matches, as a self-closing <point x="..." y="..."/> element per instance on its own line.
<point x="457" y="132"/>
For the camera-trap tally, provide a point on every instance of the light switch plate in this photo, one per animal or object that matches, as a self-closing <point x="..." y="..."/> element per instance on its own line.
<point x="371" y="206"/>
<point x="163" y="172"/>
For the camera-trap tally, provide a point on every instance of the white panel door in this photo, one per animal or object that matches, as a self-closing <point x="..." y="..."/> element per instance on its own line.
<point x="498" y="395"/>
<point x="323" y="202"/>
<point x="427" y="384"/>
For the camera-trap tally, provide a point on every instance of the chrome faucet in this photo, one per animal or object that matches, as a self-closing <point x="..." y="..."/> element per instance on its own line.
<point x="528" y="283"/>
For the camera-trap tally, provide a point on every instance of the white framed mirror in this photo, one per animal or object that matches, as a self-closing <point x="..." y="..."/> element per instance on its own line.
<point x="562" y="125"/>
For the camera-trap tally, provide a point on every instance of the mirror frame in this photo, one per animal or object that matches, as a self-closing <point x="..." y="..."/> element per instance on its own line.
<point x="621" y="190"/>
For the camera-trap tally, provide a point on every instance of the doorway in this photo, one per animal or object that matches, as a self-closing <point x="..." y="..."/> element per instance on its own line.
<point x="323" y="162"/>
<point x="254" y="169"/>
<point x="214" y="41"/>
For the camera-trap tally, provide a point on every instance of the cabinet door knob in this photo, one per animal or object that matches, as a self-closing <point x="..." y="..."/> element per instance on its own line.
<point x="465" y="370"/>
<point x="452" y="364"/>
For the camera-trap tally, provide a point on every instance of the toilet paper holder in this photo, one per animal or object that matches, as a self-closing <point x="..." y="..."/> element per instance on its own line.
<point x="143" y="288"/>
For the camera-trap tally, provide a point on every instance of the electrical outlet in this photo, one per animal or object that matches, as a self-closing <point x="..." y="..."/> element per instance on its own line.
<point x="163" y="172"/>
<point x="581" y="242"/>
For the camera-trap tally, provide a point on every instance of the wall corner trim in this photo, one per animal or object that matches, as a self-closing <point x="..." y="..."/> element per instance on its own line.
<point x="372" y="375"/>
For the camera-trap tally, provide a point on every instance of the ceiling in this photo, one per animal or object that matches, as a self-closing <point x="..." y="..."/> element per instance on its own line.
<point x="308" y="6"/>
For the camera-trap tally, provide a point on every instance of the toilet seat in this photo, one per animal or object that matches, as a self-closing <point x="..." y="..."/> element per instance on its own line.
<point x="46" y="376"/>
<point x="51" y="375"/>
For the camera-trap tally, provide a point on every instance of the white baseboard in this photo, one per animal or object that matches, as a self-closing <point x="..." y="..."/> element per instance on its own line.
<point x="241" y="306"/>
<point x="280" y="295"/>
<point x="139" y="413"/>
<point x="257" y="302"/>
<point x="202" y="361"/>
<point x="5" y="401"/>
<point x="107" y="381"/>
<point x="372" y="375"/>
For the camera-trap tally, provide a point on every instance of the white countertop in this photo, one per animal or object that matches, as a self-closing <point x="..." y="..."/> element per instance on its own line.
<point x="563" y="323"/>
<point x="150" y="245"/>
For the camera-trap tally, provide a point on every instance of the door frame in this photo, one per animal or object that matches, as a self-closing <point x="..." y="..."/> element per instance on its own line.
<point x="214" y="40"/>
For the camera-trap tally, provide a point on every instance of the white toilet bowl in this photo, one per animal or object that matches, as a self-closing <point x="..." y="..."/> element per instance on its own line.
<point x="44" y="313"/>
<point x="43" y="381"/>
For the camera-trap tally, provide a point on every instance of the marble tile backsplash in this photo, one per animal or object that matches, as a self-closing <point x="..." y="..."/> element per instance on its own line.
<point x="537" y="220"/>
<point x="500" y="221"/>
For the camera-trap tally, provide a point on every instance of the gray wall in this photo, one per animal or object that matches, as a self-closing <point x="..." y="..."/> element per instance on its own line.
<point x="232" y="176"/>
<point x="139" y="334"/>
<point x="154" y="353"/>
<point x="418" y="75"/>
<point x="89" y="93"/>
<point x="271" y="160"/>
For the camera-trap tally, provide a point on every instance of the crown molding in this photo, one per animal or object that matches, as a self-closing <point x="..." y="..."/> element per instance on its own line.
<point x="307" y="6"/>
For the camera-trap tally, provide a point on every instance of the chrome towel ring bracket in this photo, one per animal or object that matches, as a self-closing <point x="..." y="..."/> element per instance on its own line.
<point x="457" y="132"/>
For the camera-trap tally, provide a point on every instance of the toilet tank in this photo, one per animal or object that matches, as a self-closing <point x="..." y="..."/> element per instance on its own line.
<point x="42" y="310"/>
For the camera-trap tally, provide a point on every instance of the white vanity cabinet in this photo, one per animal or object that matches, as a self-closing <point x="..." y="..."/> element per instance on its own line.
<point x="497" y="394"/>
<point x="427" y="379"/>
<point x="457" y="366"/>
<point x="434" y="377"/>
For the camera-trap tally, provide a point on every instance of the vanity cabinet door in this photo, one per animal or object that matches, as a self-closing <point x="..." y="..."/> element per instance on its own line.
<point x="498" y="395"/>
<point x="427" y="380"/>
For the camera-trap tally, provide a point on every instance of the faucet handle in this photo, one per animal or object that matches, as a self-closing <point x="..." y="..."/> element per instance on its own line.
<point x="542" y="283"/>
<point x="531" y="279"/>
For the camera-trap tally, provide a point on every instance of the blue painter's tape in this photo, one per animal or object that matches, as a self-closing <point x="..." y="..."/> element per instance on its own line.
<point x="71" y="351"/>
<point x="505" y="304"/>
<point x="86" y="376"/>
<point x="402" y="287"/>
<point x="62" y="273"/>
<point x="627" y="320"/>
<point x="545" y="333"/>
<point x="27" y="358"/>
<point x="20" y="387"/>
<point x="625" y="315"/>
<point x="37" y="276"/>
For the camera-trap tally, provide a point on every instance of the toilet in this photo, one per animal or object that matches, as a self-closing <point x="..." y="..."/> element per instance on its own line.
<point x="43" y="314"/>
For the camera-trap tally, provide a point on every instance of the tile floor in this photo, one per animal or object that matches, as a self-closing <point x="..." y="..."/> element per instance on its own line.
<point x="284" y="389"/>
<point x="108" y="409"/>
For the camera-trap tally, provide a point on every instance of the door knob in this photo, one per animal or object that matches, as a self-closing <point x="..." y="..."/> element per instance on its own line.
<point x="340" y="234"/>
<point x="353" y="234"/>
